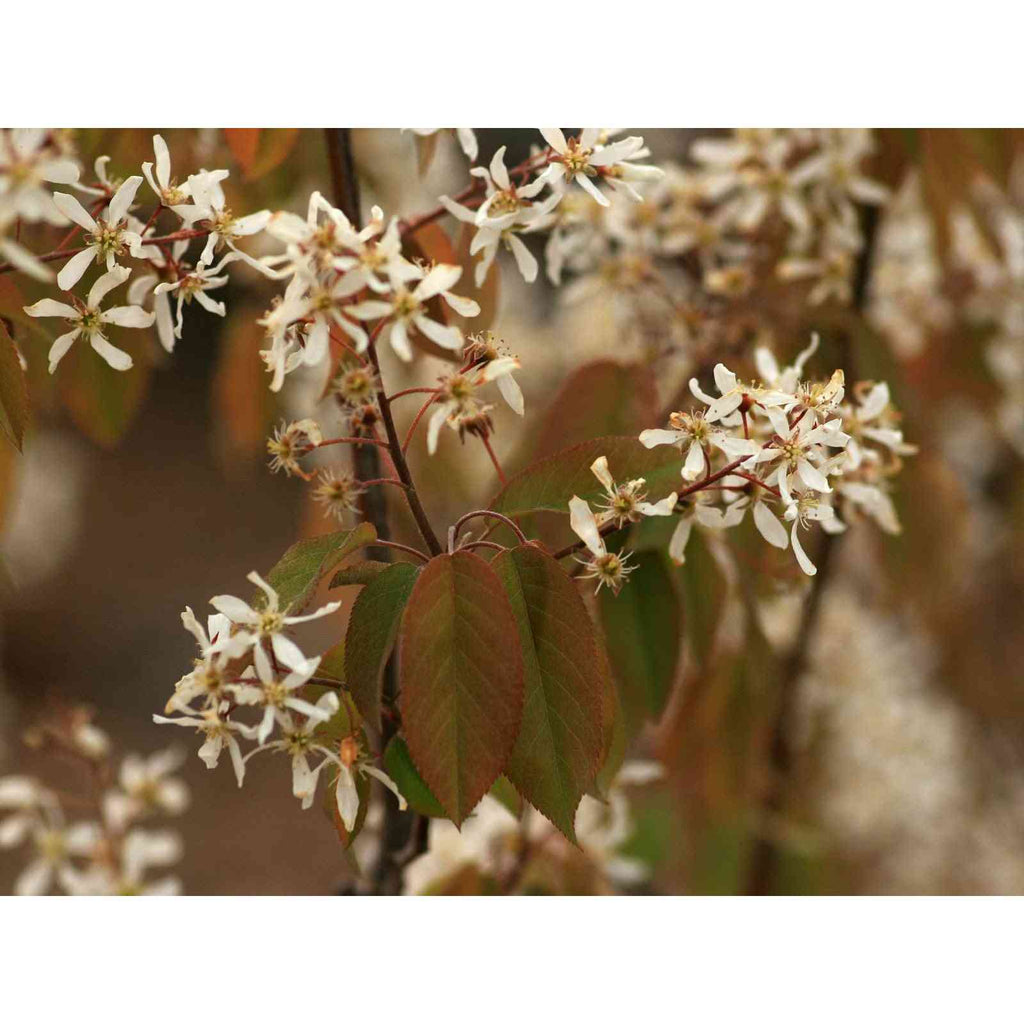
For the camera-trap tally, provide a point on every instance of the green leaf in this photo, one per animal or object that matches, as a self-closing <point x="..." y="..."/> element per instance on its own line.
<point x="358" y="575"/>
<point x="558" y="750"/>
<point x="643" y="631"/>
<point x="549" y="483"/>
<point x="372" y="629"/>
<point x="304" y="564"/>
<point x="399" y="765"/>
<point x="332" y="664"/>
<point x="13" y="391"/>
<point x="461" y="679"/>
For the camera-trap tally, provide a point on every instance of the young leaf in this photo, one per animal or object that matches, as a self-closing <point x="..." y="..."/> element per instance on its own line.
<point x="643" y="631"/>
<point x="372" y="629"/>
<point x="549" y="483"/>
<point x="306" y="562"/>
<point x="461" y="679"/>
<point x="560" y="742"/>
<point x="398" y="764"/>
<point x="13" y="391"/>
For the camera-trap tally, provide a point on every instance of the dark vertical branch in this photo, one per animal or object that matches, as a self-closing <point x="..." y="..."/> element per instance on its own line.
<point x="763" y="865"/>
<point x="401" y="829"/>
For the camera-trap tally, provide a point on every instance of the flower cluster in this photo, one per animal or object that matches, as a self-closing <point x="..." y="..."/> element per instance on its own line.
<point x="112" y="236"/>
<point x="507" y="849"/>
<point x="747" y="208"/>
<point x="246" y="661"/>
<point x="112" y="853"/>
<point x="789" y="450"/>
<point x="340" y="278"/>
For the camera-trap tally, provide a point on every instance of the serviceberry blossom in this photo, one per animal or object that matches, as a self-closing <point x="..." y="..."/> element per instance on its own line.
<point x="167" y="190"/>
<point x="269" y="621"/>
<point x="625" y="503"/>
<point x="607" y="567"/>
<point x="209" y="205"/>
<point x="89" y="320"/>
<point x="194" y="284"/>
<point x="457" y="405"/>
<point x="405" y="309"/>
<point x="218" y="732"/>
<point x="353" y="761"/>
<point x="109" y="233"/>
<point x="277" y="695"/>
<point x="582" y="159"/>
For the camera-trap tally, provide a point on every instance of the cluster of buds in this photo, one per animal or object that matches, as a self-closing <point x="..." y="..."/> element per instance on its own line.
<point x="791" y="451"/>
<point x="111" y="852"/>
<point x="247" y="662"/>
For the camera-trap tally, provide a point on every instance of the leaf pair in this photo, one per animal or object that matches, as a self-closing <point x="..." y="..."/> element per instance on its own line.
<point x="499" y="672"/>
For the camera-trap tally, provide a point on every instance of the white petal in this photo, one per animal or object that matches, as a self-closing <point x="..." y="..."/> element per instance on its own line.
<point x="584" y="525"/>
<point x="108" y="281"/>
<point x="128" y="316"/>
<point x="71" y="273"/>
<point x="73" y="210"/>
<point x="50" y="307"/>
<point x="60" y="347"/>
<point x="123" y="199"/>
<point x="769" y="527"/>
<point x="115" y="358"/>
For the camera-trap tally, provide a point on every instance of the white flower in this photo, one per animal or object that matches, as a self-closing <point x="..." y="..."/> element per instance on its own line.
<point x="109" y="233"/>
<point x="319" y="306"/>
<point x="27" y="161"/>
<point x="803" y="509"/>
<point x="352" y="761"/>
<point x="692" y="433"/>
<point x="626" y="502"/>
<point x="504" y="202"/>
<point x="456" y="404"/>
<point x="581" y="159"/>
<point x="146" y="786"/>
<point x="38" y="818"/>
<point x="270" y="621"/>
<point x="786" y="379"/>
<point x="209" y="205"/>
<point x="169" y="193"/>
<point x="277" y="695"/>
<point x="801" y="451"/>
<point x="89" y="320"/>
<point x="733" y="394"/>
<point x="697" y="510"/>
<point x="608" y="568"/>
<point x="219" y="732"/>
<point x="298" y="742"/>
<point x="194" y="284"/>
<point x="406" y="309"/>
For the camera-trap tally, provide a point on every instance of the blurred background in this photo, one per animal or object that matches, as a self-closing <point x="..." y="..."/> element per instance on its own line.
<point x="140" y="493"/>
